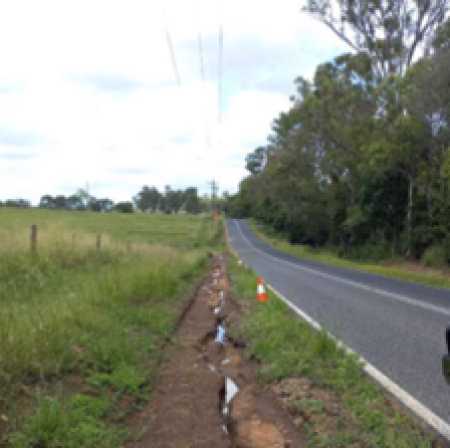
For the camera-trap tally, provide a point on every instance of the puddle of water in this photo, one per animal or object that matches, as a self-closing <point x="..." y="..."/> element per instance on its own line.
<point x="220" y="335"/>
<point x="226" y="361"/>
<point x="217" y="310"/>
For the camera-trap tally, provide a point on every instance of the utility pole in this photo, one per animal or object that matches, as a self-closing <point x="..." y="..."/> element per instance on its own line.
<point x="214" y="189"/>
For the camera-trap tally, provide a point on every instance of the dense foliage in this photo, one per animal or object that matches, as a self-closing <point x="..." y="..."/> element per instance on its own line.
<point x="362" y="158"/>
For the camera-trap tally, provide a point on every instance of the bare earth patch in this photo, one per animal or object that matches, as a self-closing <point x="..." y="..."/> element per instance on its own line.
<point x="416" y="268"/>
<point x="189" y="406"/>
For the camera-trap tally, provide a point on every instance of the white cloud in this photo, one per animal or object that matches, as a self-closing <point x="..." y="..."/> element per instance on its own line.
<point x="88" y="94"/>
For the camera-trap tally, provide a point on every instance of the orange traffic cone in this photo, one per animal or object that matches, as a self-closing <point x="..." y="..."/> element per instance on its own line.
<point x="260" y="291"/>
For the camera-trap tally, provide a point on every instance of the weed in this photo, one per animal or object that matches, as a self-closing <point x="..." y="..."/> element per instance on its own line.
<point x="73" y="424"/>
<point x="125" y="379"/>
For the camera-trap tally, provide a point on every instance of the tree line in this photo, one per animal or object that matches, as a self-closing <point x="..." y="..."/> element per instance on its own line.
<point x="361" y="160"/>
<point x="148" y="199"/>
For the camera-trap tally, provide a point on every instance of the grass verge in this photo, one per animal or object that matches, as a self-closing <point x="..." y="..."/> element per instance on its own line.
<point x="325" y="390"/>
<point x="82" y="331"/>
<point x="426" y="276"/>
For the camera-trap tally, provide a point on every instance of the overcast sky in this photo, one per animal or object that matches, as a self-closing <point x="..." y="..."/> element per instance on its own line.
<point x="88" y="93"/>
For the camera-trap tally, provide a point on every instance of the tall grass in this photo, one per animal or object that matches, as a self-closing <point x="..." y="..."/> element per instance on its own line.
<point x="97" y="314"/>
<point x="179" y="230"/>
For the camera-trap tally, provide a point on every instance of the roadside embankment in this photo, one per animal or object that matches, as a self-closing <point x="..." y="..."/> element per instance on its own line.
<point x="324" y="389"/>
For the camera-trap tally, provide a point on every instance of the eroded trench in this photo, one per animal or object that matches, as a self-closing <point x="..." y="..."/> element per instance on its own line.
<point x="207" y="393"/>
<point x="249" y="418"/>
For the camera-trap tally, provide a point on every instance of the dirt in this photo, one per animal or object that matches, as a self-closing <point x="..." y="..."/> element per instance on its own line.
<point x="309" y="404"/>
<point x="188" y="407"/>
<point x="416" y="268"/>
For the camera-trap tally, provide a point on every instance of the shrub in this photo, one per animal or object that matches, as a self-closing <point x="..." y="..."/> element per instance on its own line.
<point x="434" y="257"/>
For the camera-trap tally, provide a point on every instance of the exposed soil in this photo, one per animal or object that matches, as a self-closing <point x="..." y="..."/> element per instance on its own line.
<point x="416" y="267"/>
<point x="309" y="404"/>
<point x="189" y="406"/>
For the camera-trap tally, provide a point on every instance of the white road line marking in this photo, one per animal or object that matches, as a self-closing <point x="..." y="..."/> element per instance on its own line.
<point x="391" y="295"/>
<point x="409" y="401"/>
<point x="404" y="397"/>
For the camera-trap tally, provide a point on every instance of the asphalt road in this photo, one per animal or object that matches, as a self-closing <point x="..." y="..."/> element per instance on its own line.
<point x="398" y="327"/>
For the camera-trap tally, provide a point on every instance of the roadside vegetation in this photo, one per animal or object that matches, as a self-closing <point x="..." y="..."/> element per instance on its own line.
<point x="360" y="163"/>
<point x="397" y="269"/>
<point x="324" y="389"/>
<point x="82" y="330"/>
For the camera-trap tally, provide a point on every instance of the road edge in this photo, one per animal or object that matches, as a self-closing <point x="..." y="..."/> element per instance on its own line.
<point x="417" y="408"/>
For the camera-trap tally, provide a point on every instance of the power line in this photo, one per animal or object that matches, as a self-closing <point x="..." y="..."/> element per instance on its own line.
<point x="171" y="50"/>
<point x="202" y="74"/>
<point x="220" y="79"/>
<point x="220" y="85"/>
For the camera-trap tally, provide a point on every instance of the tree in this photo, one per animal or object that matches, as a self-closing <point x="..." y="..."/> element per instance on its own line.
<point x="101" y="205"/>
<point x="24" y="203"/>
<point x="442" y="38"/>
<point x="348" y="164"/>
<point x="175" y="200"/>
<point x="105" y="205"/>
<point x="192" y="201"/>
<point x="427" y="96"/>
<point x="256" y="160"/>
<point x="18" y="203"/>
<point x="391" y="32"/>
<point x="84" y="197"/>
<point x="60" y="202"/>
<point x="46" y="201"/>
<point x="74" y="202"/>
<point x="147" y="199"/>
<point x="124" y="207"/>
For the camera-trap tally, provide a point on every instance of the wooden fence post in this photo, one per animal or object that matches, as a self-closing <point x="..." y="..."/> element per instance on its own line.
<point x="33" y="238"/>
<point x="99" y="242"/>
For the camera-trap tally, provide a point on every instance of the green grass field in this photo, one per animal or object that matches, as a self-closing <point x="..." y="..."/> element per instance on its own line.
<point x="180" y="231"/>
<point x="420" y="275"/>
<point x="81" y="330"/>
